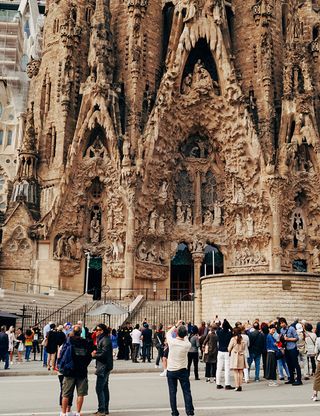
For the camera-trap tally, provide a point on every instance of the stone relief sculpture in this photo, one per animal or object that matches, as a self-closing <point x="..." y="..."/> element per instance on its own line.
<point x="200" y="81"/>
<point x="153" y="221"/>
<point x="151" y="252"/>
<point x="68" y="248"/>
<point x="238" y="225"/>
<point x="117" y="250"/>
<point x="250" y="225"/>
<point x="95" y="229"/>
<point x="316" y="257"/>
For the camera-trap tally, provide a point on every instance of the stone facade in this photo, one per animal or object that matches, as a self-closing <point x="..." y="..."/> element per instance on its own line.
<point x="20" y="39"/>
<point x="156" y="125"/>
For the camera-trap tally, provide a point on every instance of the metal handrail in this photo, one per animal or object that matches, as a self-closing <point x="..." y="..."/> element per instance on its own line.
<point x="60" y="309"/>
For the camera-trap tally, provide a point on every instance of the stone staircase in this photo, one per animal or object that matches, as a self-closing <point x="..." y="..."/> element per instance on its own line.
<point x="35" y="307"/>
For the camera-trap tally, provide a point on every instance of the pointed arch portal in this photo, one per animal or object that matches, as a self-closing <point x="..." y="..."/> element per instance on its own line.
<point x="181" y="282"/>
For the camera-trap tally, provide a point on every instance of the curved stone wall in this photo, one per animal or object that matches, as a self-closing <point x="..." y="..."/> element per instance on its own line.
<point x="265" y="296"/>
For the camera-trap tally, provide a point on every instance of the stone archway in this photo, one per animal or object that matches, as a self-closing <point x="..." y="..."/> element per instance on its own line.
<point x="212" y="261"/>
<point x="181" y="274"/>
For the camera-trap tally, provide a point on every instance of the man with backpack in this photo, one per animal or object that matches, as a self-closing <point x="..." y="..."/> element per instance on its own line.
<point x="104" y="364"/>
<point x="73" y="363"/>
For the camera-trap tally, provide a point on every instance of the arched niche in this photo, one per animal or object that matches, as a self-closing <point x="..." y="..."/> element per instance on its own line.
<point x="201" y="53"/>
<point x="181" y="273"/>
<point x="96" y="144"/>
<point x="212" y="261"/>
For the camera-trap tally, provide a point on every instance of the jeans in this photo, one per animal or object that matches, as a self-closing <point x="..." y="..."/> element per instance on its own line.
<point x="193" y="356"/>
<point x="257" y="360"/>
<point x="45" y="356"/>
<point x="28" y="351"/>
<point x="183" y="377"/>
<point x="282" y="365"/>
<point x="102" y="390"/>
<point x="5" y="358"/>
<point x="293" y="364"/>
<point x="146" y="352"/>
<point x="223" y="361"/>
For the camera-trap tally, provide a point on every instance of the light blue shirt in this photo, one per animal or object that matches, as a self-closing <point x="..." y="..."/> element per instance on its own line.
<point x="290" y="333"/>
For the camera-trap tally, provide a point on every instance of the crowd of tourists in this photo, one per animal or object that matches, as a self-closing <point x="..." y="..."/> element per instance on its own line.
<point x="279" y="351"/>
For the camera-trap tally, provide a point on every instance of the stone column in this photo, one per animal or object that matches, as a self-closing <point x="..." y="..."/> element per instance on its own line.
<point x="275" y="187"/>
<point x="197" y="204"/>
<point x="130" y="235"/>
<point x="197" y="259"/>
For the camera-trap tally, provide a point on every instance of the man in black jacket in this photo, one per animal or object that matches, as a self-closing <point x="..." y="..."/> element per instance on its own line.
<point x="256" y="348"/>
<point x="104" y="365"/>
<point x="4" y="347"/>
<point x="78" y="376"/>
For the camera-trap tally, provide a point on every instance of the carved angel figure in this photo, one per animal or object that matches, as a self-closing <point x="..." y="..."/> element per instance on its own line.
<point x="153" y="221"/>
<point x="95" y="229"/>
<point x="208" y="218"/>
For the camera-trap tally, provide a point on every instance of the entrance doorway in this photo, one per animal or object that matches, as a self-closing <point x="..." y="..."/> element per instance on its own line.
<point x="181" y="274"/>
<point x="212" y="262"/>
<point x="95" y="277"/>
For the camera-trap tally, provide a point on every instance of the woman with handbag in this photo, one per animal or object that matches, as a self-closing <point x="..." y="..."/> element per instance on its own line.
<point x="159" y="337"/>
<point x="20" y="343"/>
<point x="210" y="353"/>
<point x="311" y="340"/>
<point x="237" y="351"/>
<point x="273" y="354"/>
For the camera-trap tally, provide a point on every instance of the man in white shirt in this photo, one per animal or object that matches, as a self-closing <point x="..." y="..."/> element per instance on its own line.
<point x="177" y="368"/>
<point x="136" y="337"/>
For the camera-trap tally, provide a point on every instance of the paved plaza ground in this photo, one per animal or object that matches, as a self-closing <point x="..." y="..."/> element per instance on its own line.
<point x="137" y="389"/>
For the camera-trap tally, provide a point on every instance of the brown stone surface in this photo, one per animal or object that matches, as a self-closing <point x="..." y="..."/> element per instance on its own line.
<point x="162" y="122"/>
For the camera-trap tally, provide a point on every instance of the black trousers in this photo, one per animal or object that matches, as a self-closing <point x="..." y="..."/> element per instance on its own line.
<point x="293" y="363"/>
<point x="211" y="370"/>
<point x="193" y="357"/>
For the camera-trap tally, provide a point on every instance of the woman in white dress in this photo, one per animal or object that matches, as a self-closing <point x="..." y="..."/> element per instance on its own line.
<point x="12" y="339"/>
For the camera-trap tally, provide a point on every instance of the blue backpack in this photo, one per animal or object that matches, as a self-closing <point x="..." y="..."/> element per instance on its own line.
<point x="65" y="361"/>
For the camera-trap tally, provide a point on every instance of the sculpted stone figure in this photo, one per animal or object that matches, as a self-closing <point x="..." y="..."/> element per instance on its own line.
<point x="163" y="193"/>
<point x="180" y="213"/>
<point x="153" y="221"/>
<point x="95" y="229"/>
<point x="188" y="216"/>
<point x="60" y="248"/>
<point x="201" y="78"/>
<point x="117" y="250"/>
<point x="208" y="218"/>
<point x="238" y="224"/>
<point x="71" y="247"/>
<point x="161" y="224"/>
<point x="316" y="257"/>
<point x="250" y="225"/>
<point x="217" y="214"/>
<point x="142" y="251"/>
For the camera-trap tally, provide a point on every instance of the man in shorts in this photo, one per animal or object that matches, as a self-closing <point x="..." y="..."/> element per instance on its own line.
<point x="78" y="376"/>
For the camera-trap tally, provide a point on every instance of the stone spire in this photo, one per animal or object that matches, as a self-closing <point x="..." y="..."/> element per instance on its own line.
<point x="26" y="185"/>
<point x="101" y="52"/>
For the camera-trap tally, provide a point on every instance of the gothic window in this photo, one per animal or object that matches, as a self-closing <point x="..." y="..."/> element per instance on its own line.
<point x="53" y="143"/>
<point x="209" y="192"/>
<point x="9" y="138"/>
<point x="315" y="32"/>
<point x="88" y="14"/>
<point x="1" y="137"/>
<point x="184" y="189"/>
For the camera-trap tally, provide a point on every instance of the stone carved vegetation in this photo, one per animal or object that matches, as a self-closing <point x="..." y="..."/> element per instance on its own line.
<point x="203" y="159"/>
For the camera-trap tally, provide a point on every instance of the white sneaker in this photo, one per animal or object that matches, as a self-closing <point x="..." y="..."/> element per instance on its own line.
<point x="164" y="373"/>
<point x="11" y="362"/>
<point x="273" y="384"/>
<point x="314" y="398"/>
<point x="156" y="366"/>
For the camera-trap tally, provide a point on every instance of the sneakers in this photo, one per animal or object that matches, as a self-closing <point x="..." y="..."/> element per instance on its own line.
<point x="273" y="384"/>
<point x="156" y="366"/>
<point x="207" y="380"/>
<point x="314" y="398"/>
<point x="164" y="373"/>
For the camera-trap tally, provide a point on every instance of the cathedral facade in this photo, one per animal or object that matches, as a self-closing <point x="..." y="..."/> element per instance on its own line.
<point x="170" y="140"/>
